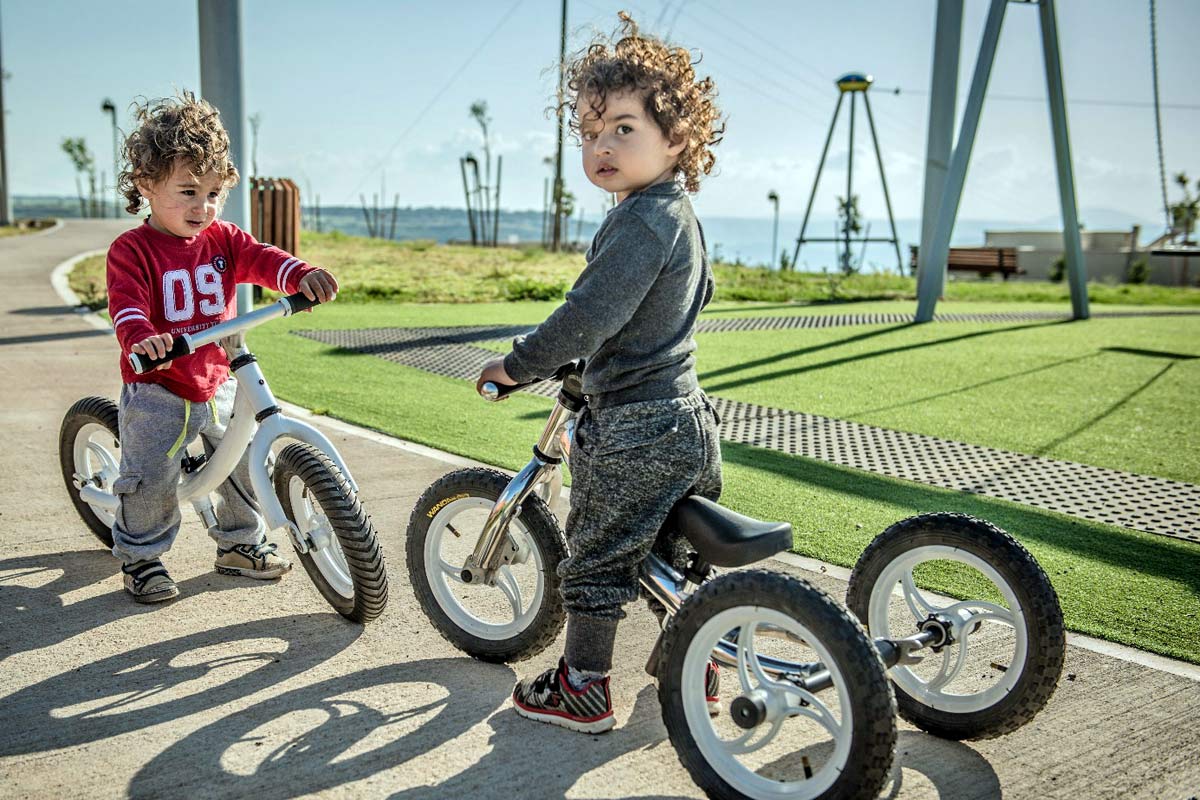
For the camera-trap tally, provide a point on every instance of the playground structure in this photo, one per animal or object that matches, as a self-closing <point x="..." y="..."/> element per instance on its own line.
<point x="852" y="84"/>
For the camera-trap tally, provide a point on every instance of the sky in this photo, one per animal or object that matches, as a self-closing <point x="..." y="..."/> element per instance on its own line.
<point x="363" y="90"/>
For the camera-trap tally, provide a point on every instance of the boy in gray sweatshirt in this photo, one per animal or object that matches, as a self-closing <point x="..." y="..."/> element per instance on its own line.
<point x="648" y="436"/>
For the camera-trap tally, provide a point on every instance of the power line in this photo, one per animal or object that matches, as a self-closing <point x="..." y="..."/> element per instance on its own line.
<point x="1029" y="98"/>
<point x="438" y="96"/>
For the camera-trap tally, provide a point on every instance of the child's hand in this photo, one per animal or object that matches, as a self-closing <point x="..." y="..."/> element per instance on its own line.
<point x="319" y="285"/>
<point x="155" y="347"/>
<point x="494" y="372"/>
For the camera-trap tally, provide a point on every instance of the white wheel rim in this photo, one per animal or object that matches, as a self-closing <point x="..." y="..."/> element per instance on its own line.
<point x="93" y="458"/>
<point x="443" y="576"/>
<point x="722" y="753"/>
<point x="897" y="581"/>
<point x="329" y="561"/>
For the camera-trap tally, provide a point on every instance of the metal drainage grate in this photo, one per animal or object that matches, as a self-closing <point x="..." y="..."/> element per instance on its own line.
<point x="1155" y="505"/>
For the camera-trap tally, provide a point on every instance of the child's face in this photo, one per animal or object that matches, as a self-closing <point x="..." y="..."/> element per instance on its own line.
<point x="183" y="204"/>
<point x="624" y="150"/>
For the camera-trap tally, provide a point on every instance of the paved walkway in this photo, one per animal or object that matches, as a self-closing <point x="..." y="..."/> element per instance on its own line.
<point x="1141" y="502"/>
<point x="240" y="689"/>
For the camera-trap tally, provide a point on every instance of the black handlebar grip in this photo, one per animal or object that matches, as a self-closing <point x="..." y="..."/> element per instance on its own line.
<point x="494" y="391"/>
<point x="143" y="363"/>
<point x="298" y="302"/>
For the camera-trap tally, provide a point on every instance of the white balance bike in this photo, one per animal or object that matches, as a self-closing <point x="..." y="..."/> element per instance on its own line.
<point x="305" y="488"/>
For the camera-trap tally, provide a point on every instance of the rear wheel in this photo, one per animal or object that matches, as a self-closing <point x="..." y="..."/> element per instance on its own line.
<point x="344" y="558"/>
<point x="1006" y="641"/>
<point x="89" y="451"/>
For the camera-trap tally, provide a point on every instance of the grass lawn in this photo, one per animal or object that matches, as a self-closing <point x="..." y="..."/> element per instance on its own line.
<point x="1121" y="585"/>
<point x="25" y="226"/>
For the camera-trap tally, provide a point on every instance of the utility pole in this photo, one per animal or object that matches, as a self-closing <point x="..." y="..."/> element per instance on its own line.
<point x="111" y="108"/>
<point x="773" y="197"/>
<point x="5" y="209"/>
<point x="558" y="151"/>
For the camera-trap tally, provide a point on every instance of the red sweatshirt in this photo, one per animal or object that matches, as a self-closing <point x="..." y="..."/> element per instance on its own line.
<point x="159" y="283"/>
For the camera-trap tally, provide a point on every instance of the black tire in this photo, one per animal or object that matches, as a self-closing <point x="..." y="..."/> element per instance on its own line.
<point x="1043" y="619"/>
<point x="543" y="529"/>
<point x="88" y="411"/>
<point x="871" y="707"/>
<point x="323" y="483"/>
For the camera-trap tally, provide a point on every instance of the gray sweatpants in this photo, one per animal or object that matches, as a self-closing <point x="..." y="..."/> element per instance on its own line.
<point x="154" y="435"/>
<point x="629" y="465"/>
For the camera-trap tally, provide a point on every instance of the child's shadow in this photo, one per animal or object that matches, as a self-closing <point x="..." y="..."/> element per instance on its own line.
<point x="167" y="681"/>
<point x="547" y="761"/>
<point x="332" y="733"/>
<point x="37" y="617"/>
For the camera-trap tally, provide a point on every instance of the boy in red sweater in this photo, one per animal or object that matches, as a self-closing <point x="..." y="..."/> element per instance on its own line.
<point x="177" y="273"/>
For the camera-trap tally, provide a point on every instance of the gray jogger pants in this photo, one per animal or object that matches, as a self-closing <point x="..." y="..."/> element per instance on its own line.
<point x="629" y="465"/>
<point x="156" y="426"/>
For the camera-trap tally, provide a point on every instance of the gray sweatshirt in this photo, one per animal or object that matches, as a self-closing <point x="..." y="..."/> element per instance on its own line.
<point x="632" y="311"/>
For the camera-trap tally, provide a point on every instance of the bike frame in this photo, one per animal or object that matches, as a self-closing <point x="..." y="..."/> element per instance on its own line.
<point x="257" y="422"/>
<point x="659" y="578"/>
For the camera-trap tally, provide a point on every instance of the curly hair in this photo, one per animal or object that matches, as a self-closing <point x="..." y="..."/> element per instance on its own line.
<point x="683" y="107"/>
<point x="171" y="128"/>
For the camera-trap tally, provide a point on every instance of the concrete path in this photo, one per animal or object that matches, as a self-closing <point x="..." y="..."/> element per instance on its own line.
<point x="241" y="689"/>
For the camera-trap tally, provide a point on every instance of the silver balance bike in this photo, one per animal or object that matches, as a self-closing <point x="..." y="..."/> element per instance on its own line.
<point x="807" y="699"/>
<point x="304" y="488"/>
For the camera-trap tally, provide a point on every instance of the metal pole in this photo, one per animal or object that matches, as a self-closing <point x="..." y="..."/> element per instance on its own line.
<point x="221" y="84"/>
<point x="5" y="207"/>
<point x="558" y="152"/>
<point x="887" y="201"/>
<point x="816" y="180"/>
<point x="943" y="98"/>
<point x="111" y="108"/>
<point x="932" y="259"/>
<point x="496" y="203"/>
<point x="849" y="182"/>
<point x="1076" y="268"/>
<point x="774" y="198"/>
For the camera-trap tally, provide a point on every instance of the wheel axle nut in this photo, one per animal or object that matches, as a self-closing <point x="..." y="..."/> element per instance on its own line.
<point x="747" y="711"/>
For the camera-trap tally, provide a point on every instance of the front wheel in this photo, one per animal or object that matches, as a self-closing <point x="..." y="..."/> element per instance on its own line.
<point x="802" y="707"/>
<point x="521" y="613"/>
<point x="1006" y="642"/>
<point x="344" y="558"/>
<point x="89" y="452"/>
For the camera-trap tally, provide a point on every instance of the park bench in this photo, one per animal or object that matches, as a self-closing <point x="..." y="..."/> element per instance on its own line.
<point x="984" y="260"/>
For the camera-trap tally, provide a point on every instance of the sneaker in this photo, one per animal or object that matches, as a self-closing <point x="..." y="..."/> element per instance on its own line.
<point x="149" y="582"/>
<point x="251" y="560"/>
<point x="550" y="698"/>
<point x="712" y="687"/>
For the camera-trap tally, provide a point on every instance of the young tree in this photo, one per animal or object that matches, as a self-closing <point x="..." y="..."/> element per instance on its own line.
<point x="479" y="112"/>
<point x="1185" y="212"/>
<point x="83" y="161"/>
<point x="255" y="121"/>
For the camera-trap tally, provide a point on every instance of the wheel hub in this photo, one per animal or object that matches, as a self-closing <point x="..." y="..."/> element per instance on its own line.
<point x="748" y="710"/>
<point x="941" y="627"/>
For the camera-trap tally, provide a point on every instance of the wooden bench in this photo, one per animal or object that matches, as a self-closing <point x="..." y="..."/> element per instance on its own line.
<point x="983" y="260"/>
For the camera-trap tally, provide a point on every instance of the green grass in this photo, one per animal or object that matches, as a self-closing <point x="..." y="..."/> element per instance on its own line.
<point x="1122" y="585"/>
<point x="25" y="226"/>
<point x="421" y="271"/>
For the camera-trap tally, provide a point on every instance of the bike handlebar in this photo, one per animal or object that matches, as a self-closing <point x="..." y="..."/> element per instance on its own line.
<point x="186" y="344"/>
<point x="492" y="391"/>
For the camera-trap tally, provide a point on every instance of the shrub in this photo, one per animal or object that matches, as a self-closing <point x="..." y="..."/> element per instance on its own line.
<point x="1058" y="269"/>
<point x="519" y="287"/>
<point x="1138" y="271"/>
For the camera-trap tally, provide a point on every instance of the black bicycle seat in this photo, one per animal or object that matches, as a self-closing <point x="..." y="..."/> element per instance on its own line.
<point x="726" y="538"/>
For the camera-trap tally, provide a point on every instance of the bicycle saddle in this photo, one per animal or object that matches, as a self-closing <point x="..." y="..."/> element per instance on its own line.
<point x="726" y="538"/>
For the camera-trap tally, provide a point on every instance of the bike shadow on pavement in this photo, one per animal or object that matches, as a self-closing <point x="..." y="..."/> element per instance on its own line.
<point x="167" y="681"/>
<point x="548" y="761"/>
<point x="943" y="768"/>
<point x="36" y="616"/>
<point x="325" y="735"/>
